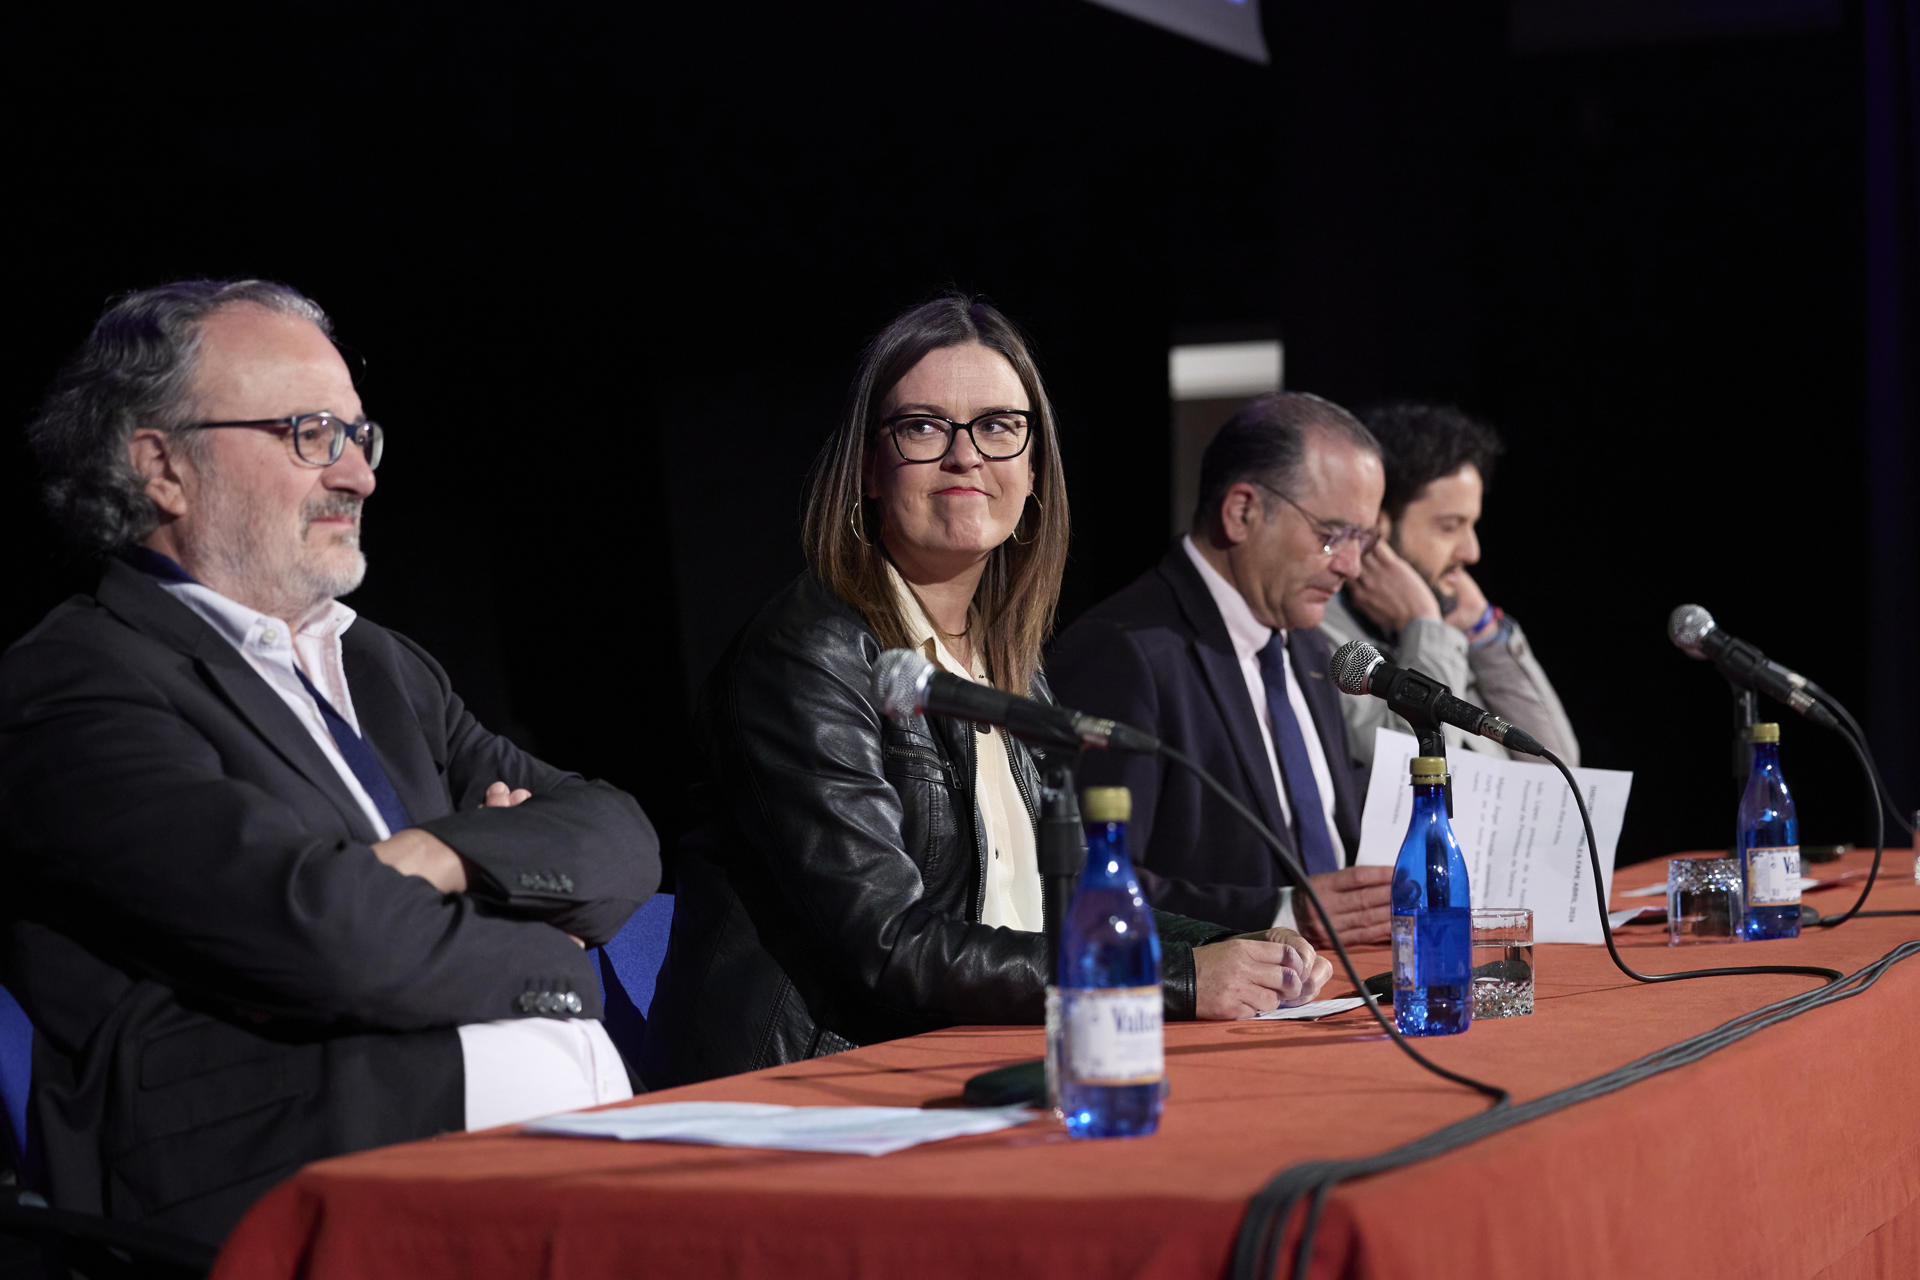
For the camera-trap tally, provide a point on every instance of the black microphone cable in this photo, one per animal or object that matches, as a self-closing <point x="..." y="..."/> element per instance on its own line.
<point x="1260" y="1230"/>
<point x="1501" y="1097"/>
<point x="1856" y="738"/>
<point x="1606" y="926"/>
<point x="1689" y="627"/>
<point x="1879" y="838"/>
<point x="1256" y="1248"/>
<point x="1873" y="769"/>
<point x="896" y="692"/>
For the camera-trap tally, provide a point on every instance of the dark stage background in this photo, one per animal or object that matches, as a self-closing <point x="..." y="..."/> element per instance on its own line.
<point x="609" y="271"/>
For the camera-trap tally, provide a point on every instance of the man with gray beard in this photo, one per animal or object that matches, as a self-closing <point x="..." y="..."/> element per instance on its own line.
<point x="272" y="892"/>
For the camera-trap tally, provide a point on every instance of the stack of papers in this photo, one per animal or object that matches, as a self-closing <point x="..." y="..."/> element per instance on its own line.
<point x="859" y="1131"/>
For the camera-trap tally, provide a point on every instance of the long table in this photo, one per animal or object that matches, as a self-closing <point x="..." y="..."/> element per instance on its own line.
<point x="1794" y="1152"/>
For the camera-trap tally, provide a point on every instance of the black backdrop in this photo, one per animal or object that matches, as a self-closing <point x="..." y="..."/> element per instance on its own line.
<point x="608" y="271"/>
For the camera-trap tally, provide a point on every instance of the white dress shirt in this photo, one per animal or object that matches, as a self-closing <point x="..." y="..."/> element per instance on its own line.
<point x="515" y="1069"/>
<point x="1249" y="636"/>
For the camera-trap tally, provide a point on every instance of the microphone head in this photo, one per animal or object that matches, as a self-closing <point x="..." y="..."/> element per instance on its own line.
<point x="900" y="683"/>
<point x="1687" y="626"/>
<point x="1352" y="663"/>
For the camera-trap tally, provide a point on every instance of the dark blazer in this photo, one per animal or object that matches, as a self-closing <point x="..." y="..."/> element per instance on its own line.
<point x="1157" y="656"/>
<point x="225" y="981"/>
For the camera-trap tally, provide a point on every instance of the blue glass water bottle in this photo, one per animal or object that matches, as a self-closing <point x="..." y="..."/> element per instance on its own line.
<point x="1432" y="916"/>
<point x="1112" y="1060"/>
<point x="1769" y="843"/>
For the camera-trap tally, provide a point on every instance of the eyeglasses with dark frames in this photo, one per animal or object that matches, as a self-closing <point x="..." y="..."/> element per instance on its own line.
<point x="318" y="438"/>
<point x="928" y="437"/>
<point x="1333" y="534"/>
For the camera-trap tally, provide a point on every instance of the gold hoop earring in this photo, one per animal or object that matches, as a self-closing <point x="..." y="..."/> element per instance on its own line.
<point x="1027" y="541"/>
<point x="858" y="525"/>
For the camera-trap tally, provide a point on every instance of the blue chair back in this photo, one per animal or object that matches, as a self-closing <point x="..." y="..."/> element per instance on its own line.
<point x="16" y="1072"/>
<point x="629" y="964"/>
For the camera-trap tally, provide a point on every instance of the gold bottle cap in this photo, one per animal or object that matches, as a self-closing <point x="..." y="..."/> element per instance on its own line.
<point x="1429" y="768"/>
<point x="1764" y="733"/>
<point x="1106" y="804"/>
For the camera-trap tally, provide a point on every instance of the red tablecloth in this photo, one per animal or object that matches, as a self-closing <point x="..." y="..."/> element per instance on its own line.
<point x="1795" y="1152"/>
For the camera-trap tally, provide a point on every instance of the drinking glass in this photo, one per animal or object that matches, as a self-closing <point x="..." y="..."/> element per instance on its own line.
<point x="1706" y="900"/>
<point x="1502" y="962"/>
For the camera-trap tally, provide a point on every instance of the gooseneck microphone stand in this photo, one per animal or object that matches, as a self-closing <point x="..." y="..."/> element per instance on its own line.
<point x="1062" y="849"/>
<point x="1062" y="852"/>
<point x="1746" y="711"/>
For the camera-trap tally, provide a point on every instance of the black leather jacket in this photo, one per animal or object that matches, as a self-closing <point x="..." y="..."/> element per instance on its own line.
<point x="832" y="897"/>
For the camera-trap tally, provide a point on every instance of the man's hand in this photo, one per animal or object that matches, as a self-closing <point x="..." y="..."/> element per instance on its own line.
<point x="1471" y="602"/>
<point x="1390" y="591"/>
<point x="413" y="852"/>
<point x="501" y="796"/>
<point x="1359" y="901"/>
<point x="1256" y="972"/>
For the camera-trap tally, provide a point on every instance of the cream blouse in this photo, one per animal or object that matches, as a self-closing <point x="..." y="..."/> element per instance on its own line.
<point x="1012" y="898"/>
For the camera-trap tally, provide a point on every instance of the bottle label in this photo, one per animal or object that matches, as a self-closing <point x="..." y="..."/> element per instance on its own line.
<point x="1773" y="876"/>
<point x="1432" y="948"/>
<point x="1113" y="1035"/>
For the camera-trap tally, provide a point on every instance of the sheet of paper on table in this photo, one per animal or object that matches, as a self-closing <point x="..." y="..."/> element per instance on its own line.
<point x="859" y="1131"/>
<point x="1310" y="1010"/>
<point x="1518" y="829"/>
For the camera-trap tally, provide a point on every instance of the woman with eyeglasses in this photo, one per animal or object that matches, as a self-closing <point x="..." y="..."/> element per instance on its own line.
<point x="863" y="878"/>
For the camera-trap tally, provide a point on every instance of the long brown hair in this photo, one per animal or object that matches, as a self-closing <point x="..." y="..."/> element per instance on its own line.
<point x="1020" y="587"/>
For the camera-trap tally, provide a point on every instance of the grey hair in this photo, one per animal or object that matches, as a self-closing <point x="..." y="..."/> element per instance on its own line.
<point x="134" y="370"/>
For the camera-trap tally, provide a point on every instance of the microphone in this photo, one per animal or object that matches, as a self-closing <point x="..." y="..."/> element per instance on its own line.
<point x="1358" y="668"/>
<point x="1694" y="632"/>
<point x="906" y="684"/>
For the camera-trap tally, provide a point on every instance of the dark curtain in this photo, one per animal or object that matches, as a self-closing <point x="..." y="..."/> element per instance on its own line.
<point x="1891" y="32"/>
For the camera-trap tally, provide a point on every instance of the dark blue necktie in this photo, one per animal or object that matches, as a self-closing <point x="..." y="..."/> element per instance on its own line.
<point x="1296" y="766"/>
<point x="360" y="758"/>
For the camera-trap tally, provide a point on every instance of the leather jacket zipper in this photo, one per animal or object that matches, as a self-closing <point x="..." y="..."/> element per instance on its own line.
<point x="924" y="756"/>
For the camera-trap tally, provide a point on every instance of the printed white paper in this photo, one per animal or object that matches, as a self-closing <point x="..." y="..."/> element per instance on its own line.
<point x="1310" y="1010"/>
<point x="1518" y="828"/>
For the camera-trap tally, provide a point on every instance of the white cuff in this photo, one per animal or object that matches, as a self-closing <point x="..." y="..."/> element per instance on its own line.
<point x="1284" y="918"/>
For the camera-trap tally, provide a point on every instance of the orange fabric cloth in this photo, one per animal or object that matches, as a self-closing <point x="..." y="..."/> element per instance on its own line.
<point x="1793" y="1153"/>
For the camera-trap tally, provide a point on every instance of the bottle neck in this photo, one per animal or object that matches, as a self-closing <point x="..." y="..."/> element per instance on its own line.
<point x="1107" y="842"/>
<point x="1766" y="756"/>
<point x="1430" y="805"/>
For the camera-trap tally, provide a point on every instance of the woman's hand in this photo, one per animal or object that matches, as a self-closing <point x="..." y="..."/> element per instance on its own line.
<point x="1256" y="972"/>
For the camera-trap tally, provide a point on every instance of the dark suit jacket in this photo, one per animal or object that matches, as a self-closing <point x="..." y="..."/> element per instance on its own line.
<point x="1157" y="656"/>
<point x="225" y="982"/>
